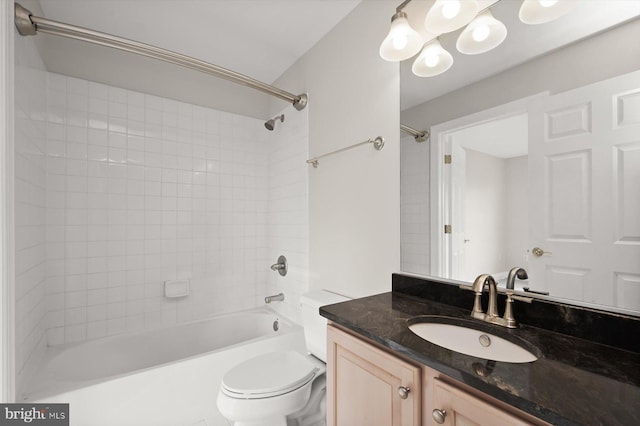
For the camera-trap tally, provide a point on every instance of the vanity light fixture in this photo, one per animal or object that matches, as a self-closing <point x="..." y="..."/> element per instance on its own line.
<point x="535" y="12"/>
<point x="449" y="15"/>
<point x="483" y="31"/>
<point x="432" y="60"/>
<point x="483" y="34"/>
<point x="402" y="42"/>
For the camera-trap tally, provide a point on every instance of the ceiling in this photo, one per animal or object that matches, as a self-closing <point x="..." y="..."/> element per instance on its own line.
<point x="254" y="37"/>
<point x="258" y="38"/>
<point x="263" y="38"/>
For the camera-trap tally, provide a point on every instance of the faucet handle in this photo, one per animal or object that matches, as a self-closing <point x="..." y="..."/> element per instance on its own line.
<point x="281" y="266"/>
<point x="509" y="319"/>
<point x="478" y="288"/>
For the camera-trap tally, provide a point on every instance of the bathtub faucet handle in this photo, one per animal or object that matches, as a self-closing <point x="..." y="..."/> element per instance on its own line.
<point x="275" y="298"/>
<point x="281" y="266"/>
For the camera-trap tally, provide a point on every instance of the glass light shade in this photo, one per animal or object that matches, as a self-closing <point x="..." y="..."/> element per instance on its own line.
<point x="535" y="12"/>
<point x="481" y="35"/>
<point x="433" y="60"/>
<point x="449" y="15"/>
<point x="402" y="42"/>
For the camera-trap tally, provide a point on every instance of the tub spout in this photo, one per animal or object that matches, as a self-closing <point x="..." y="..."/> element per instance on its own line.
<point x="275" y="298"/>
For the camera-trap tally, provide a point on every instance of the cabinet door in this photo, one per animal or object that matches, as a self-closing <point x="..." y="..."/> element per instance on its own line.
<point x="463" y="409"/>
<point x="363" y="384"/>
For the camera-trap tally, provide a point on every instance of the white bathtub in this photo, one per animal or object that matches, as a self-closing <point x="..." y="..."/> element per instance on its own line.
<point x="161" y="377"/>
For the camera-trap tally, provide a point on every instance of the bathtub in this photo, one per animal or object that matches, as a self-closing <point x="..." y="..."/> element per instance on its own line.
<point x="168" y="376"/>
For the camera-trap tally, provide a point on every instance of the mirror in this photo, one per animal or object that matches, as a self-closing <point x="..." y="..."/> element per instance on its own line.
<point x="490" y="199"/>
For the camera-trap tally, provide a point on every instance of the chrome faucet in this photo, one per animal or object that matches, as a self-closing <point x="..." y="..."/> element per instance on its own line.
<point x="518" y="272"/>
<point x="491" y="315"/>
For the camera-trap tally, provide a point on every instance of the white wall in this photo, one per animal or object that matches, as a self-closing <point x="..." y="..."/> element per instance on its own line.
<point x="29" y="205"/>
<point x="485" y="214"/>
<point x="517" y="205"/>
<point x="354" y="197"/>
<point x="7" y="252"/>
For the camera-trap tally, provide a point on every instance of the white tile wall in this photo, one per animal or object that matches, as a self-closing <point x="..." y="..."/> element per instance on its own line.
<point x="141" y="190"/>
<point x="288" y="208"/>
<point x="30" y="204"/>
<point x="414" y="206"/>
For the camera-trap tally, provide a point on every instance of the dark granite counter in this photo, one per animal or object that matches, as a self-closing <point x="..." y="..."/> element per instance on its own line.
<point x="574" y="381"/>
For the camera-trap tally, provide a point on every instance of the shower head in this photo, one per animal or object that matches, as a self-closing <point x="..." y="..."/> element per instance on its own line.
<point x="271" y="124"/>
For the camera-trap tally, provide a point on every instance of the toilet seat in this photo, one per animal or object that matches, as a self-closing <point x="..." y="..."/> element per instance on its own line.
<point x="269" y="375"/>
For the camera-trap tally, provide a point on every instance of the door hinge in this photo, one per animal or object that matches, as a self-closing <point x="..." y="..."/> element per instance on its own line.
<point x="447" y="159"/>
<point x="447" y="229"/>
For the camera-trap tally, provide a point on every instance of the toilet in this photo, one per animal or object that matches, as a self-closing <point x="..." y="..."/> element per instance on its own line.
<point x="284" y="387"/>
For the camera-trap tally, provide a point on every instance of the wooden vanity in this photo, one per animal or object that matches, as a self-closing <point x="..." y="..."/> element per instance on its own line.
<point x="379" y="373"/>
<point x="369" y="385"/>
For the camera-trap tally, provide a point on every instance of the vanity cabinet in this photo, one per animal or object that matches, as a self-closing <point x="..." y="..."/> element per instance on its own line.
<point x="450" y="405"/>
<point x="369" y="386"/>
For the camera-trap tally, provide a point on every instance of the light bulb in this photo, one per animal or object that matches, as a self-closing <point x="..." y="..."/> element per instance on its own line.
<point x="535" y="12"/>
<point x="450" y="8"/>
<point x="449" y="15"/>
<point x="402" y="42"/>
<point x="433" y="60"/>
<point x="480" y="33"/>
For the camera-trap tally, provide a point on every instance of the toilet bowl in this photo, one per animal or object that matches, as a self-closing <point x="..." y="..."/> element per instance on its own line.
<point x="284" y="387"/>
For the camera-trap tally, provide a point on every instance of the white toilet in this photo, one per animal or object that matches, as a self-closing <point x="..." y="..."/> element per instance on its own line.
<point x="285" y="387"/>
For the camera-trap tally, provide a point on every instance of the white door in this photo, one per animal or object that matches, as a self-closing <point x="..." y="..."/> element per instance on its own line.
<point x="584" y="182"/>
<point x="456" y="237"/>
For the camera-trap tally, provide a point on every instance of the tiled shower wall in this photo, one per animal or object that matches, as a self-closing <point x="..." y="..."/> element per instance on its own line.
<point x="141" y="190"/>
<point x="288" y="208"/>
<point x="30" y="203"/>
<point x="415" y="206"/>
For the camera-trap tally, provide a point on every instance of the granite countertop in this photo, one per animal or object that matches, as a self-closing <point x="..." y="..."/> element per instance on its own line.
<point x="574" y="381"/>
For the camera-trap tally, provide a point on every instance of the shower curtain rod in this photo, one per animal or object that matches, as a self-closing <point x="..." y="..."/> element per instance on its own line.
<point x="28" y="24"/>
<point x="418" y="135"/>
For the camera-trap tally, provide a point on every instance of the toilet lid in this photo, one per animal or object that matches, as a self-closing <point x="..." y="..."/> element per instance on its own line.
<point x="268" y="375"/>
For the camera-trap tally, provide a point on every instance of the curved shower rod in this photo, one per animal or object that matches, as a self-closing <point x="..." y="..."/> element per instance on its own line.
<point x="28" y="24"/>
<point x="418" y="135"/>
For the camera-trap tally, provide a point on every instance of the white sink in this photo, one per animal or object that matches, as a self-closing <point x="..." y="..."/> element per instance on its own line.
<point x="472" y="342"/>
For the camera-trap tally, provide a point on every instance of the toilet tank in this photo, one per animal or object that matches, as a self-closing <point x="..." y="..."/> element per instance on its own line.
<point x="315" y="326"/>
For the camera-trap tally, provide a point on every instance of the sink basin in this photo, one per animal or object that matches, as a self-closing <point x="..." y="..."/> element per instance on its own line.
<point x="463" y="336"/>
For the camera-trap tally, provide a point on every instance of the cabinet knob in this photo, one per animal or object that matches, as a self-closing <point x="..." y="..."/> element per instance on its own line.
<point x="403" y="391"/>
<point x="439" y="415"/>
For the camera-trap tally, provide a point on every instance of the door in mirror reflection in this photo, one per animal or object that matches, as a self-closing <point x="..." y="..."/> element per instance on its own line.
<point x="486" y="177"/>
<point x="575" y="183"/>
<point x="585" y="151"/>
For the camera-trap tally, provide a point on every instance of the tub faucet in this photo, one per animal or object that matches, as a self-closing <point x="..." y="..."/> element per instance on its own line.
<point x="518" y="272"/>
<point x="275" y="298"/>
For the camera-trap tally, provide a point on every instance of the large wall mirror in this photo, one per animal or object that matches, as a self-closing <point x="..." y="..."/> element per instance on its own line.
<point x="536" y="166"/>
